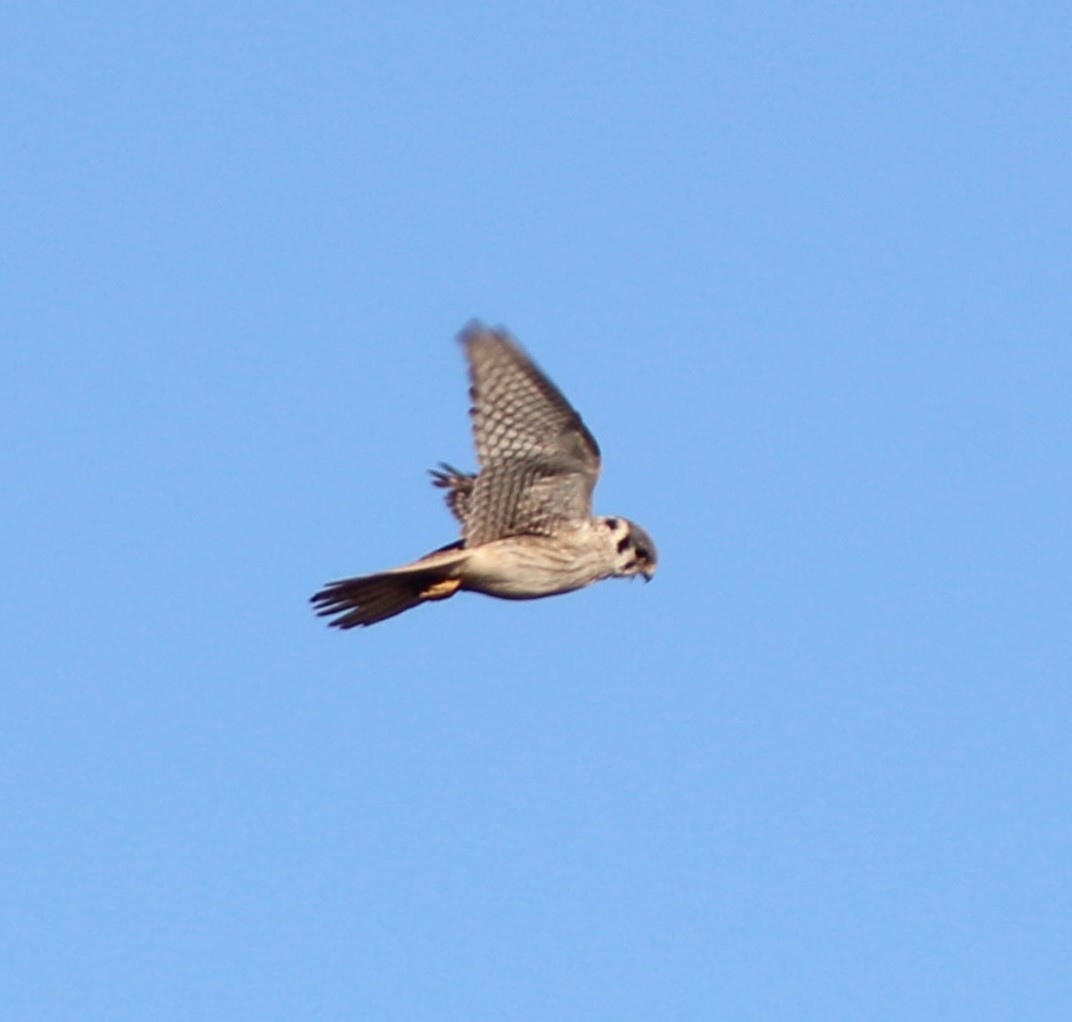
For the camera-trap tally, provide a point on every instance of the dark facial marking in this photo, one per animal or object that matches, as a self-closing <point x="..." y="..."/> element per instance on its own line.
<point x="624" y="544"/>
<point x="612" y="524"/>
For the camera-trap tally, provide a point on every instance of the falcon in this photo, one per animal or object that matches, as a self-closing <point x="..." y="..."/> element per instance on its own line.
<point x="527" y="528"/>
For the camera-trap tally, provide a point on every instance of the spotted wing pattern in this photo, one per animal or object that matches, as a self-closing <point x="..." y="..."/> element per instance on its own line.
<point x="459" y="487"/>
<point x="539" y="463"/>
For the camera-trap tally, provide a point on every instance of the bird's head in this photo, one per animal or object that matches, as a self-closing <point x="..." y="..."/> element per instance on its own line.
<point x="635" y="553"/>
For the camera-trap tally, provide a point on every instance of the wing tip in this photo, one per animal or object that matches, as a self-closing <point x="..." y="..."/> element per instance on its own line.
<point x="476" y="331"/>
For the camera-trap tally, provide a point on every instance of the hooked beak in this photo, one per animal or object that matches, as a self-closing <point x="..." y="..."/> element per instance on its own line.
<point x="648" y="571"/>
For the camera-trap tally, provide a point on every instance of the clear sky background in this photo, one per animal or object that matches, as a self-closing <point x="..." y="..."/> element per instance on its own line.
<point x="805" y="270"/>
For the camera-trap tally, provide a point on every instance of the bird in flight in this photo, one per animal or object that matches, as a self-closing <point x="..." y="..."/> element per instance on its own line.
<point x="526" y="517"/>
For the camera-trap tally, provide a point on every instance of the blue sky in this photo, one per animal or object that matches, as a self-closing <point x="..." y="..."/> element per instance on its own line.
<point x="805" y="271"/>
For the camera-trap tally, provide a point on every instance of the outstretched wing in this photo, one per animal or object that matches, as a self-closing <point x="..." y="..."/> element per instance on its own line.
<point x="539" y="463"/>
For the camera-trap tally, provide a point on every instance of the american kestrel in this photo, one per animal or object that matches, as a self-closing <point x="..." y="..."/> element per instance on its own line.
<point x="526" y="516"/>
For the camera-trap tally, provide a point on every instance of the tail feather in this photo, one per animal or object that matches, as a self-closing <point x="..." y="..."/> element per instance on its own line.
<point x="367" y="600"/>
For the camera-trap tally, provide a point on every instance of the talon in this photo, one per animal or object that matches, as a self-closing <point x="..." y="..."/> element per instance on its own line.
<point x="441" y="590"/>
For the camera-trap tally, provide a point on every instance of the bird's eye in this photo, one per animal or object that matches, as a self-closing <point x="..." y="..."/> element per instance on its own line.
<point x="643" y="553"/>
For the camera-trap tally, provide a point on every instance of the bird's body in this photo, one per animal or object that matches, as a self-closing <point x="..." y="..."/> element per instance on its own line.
<point x="527" y="526"/>
<point x="523" y="567"/>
